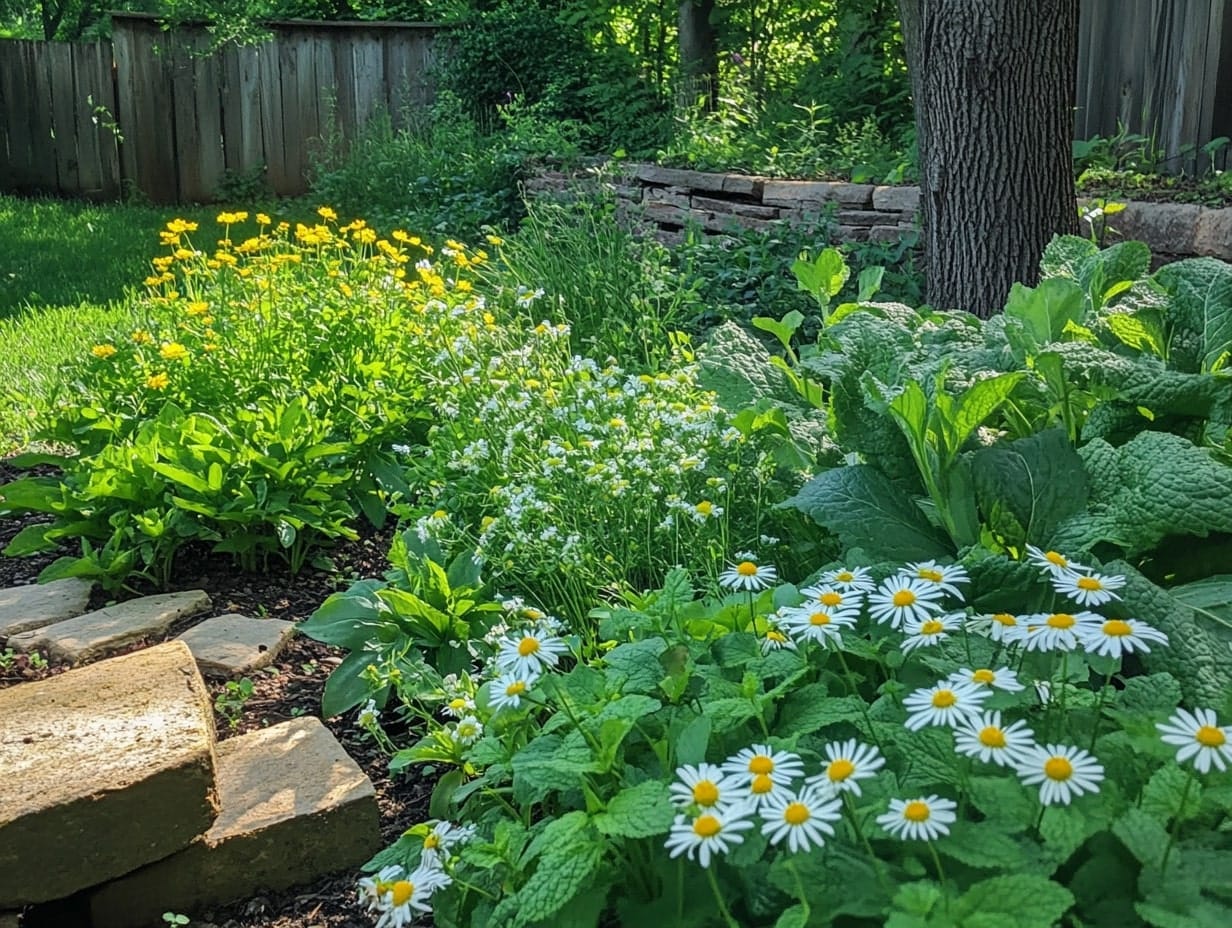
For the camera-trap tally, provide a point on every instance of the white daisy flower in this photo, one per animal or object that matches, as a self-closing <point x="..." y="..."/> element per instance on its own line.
<point x="439" y="843"/>
<point x="1052" y="561"/>
<point x="923" y="819"/>
<point x="831" y="597"/>
<point x="763" y="771"/>
<point x="899" y="599"/>
<point x="847" y="762"/>
<point x="946" y="703"/>
<point x="712" y="833"/>
<point x="369" y="716"/>
<point x="467" y="731"/>
<point x="507" y="690"/>
<point x="1116" y="637"/>
<point x="1006" y="628"/>
<point x="1062" y="772"/>
<point x="705" y="786"/>
<point x="1000" y="679"/>
<point x="748" y="575"/>
<point x="459" y="707"/>
<point x="1088" y="589"/>
<point x="1200" y="738"/>
<point x="941" y="576"/>
<point x="405" y="898"/>
<point x="984" y="736"/>
<point x="802" y="818"/>
<point x="817" y="623"/>
<point x="931" y="631"/>
<point x="371" y="888"/>
<point x="1059" y="631"/>
<point x="533" y="653"/>
<point x="855" y="579"/>
<point x="775" y="639"/>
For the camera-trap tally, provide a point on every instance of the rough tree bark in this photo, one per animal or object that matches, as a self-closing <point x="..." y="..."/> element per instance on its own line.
<point x="993" y="83"/>
<point x="699" y="52"/>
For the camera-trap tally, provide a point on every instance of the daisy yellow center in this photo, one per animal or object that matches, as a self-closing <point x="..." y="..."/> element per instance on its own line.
<point x="992" y="737"/>
<point x="761" y="764"/>
<point x="839" y="770"/>
<point x="796" y="813"/>
<point x="528" y="646"/>
<point x="1004" y="618"/>
<point x="746" y="569"/>
<point x="458" y="703"/>
<point x="819" y="618"/>
<point x="903" y="598"/>
<point x="402" y="892"/>
<point x="762" y="784"/>
<point x="1088" y="583"/>
<point x="845" y="576"/>
<point x="830" y="598"/>
<point x="778" y="637"/>
<point x="931" y="627"/>
<point x="1061" y="620"/>
<point x="943" y="699"/>
<point x="516" y="688"/>
<point x="931" y="575"/>
<point x="707" y="826"/>
<point x="432" y="842"/>
<point x="705" y="507"/>
<point x="985" y="676"/>
<point x="916" y="811"/>
<point x="440" y="514"/>
<point x="467" y="731"/>
<point x="1210" y="737"/>
<point x="1058" y="768"/>
<point x="1052" y="557"/>
<point x="705" y="793"/>
<point x="1115" y="628"/>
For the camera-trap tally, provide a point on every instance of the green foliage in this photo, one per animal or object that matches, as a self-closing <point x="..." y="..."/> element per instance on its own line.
<point x="230" y="703"/>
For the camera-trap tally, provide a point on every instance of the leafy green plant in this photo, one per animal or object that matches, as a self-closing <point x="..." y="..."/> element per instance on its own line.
<point x="232" y="699"/>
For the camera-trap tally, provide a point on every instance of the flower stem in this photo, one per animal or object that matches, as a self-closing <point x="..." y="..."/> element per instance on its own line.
<point x="851" y="682"/>
<point x="1176" y="822"/>
<point x="718" y="897"/>
<point x="804" y="904"/>
<point x="1039" y="820"/>
<point x="855" y="825"/>
<point x="932" y="849"/>
<point x="1099" y="709"/>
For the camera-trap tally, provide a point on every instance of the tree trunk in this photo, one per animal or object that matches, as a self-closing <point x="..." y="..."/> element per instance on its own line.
<point x="699" y="52"/>
<point x="993" y="83"/>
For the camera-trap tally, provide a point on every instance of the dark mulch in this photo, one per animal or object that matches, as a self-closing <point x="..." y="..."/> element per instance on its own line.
<point x="291" y="687"/>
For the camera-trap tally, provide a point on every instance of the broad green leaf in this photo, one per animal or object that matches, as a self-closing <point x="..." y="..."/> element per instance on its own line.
<point x="1064" y="255"/>
<point x="860" y="505"/>
<point x="1201" y="291"/>
<point x="184" y="478"/>
<point x="692" y="741"/>
<point x="977" y="403"/>
<point x="440" y="805"/>
<point x="1142" y="834"/>
<point x="1038" y="481"/>
<point x="346" y="688"/>
<point x="1211" y="598"/>
<point x="1018" y="899"/>
<point x="564" y="869"/>
<point x="30" y="540"/>
<point x="641" y="811"/>
<point x="1139" y="332"/>
<point x="782" y="329"/>
<point x="635" y="665"/>
<point x="1161" y="797"/>
<point x="792" y="917"/>
<point x="809" y="710"/>
<point x="348" y="619"/>
<point x="1039" y="316"/>
<point x="869" y="283"/>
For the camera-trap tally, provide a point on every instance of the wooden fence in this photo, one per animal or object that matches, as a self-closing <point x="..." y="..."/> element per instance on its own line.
<point x="1160" y="68"/>
<point x="161" y="113"/>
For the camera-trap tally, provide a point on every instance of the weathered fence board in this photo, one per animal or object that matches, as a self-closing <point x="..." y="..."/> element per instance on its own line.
<point x="1156" y="68"/>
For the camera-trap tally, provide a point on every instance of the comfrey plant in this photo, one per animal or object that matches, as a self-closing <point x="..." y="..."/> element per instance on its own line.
<point x="864" y="748"/>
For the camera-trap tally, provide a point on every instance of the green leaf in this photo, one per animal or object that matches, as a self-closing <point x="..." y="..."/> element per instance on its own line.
<point x="1210" y="597"/>
<point x="1064" y="255"/>
<point x="30" y="540"/>
<point x="783" y="329"/>
<point x="866" y="510"/>
<point x="977" y="403"/>
<point x="1161" y="797"/>
<point x="1038" y="481"/>
<point x="1142" y="835"/>
<point x="869" y="283"/>
<point x="346" y="688"/>
<point x="635" y="665"/>
<point x="348" y="619"/>
<point x="728" y="713"/>
<point x="179" y="475"/>
<point x="793" y="917"/>
<point x="568" y="863"/>
<point x="1201" y="291"/>
<point x="641" y="811"/>
<point x="1019" y="900"/>
<point x="439" y="806"/>
<point x="1137" y="331"/>
<point x="809" y="709"/>
<point x="1036" y="317"/>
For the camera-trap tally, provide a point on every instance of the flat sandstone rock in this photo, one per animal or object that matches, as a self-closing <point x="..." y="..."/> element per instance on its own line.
<point x="25" y="607"/>
<point x="294" y="807"/>
<point x="105" y="769"/>
<point x="228" y="645"/>
<point x="105" y="631"/>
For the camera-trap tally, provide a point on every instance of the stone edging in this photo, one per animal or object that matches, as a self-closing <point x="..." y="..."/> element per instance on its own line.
<point x="670" y="198"/>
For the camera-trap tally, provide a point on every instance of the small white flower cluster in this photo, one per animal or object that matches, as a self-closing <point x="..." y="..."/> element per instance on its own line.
<point x="396" y="897"/>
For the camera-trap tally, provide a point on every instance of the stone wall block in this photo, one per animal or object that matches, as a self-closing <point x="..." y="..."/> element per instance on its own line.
<point x="897" y="199"/>
<point x="752" y="210"/>
<point x="1213" y="235"/>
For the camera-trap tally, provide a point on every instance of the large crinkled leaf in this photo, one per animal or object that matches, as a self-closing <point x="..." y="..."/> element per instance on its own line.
<point x="1064" y="255"/>
<point x="867" y="510"/>
<point x="1036" y="316"/>
<point x="737" y="368"/>
<point x="1035" y="481"/>
<point x="1112" y="271"/>
<point x="1200" y="662"/>
<point x="1154" y="486"/>
<point x="1201" y="291"/>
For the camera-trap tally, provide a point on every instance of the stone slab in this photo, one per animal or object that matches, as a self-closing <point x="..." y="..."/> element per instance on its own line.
<point x="23" y="608"/>
<point x="752" y="210"/>
<point x="1168" y="228"/>
<point x="677" y="177"/>
<point x="797" y="193"/>
<point x="747" y="185"/>
<point x="1213" y="235"/>
<point x="889" y="233"/>
<point x="294" y="807"/>
<point x="105" y="631"/>
<point x="666" y="195"/>
<point x="897" y="199"/>
<point x="228" y="645"/>
<point x="106" y="768"/>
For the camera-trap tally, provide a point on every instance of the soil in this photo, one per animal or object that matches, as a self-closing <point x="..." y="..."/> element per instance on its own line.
<point x="291" y="687"/>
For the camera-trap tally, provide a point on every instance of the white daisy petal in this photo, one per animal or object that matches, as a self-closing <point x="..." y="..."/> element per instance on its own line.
<point x="712" y="833"/>
<point x="1117" y="637"/>
<point x="947" y="703"/>
<point x="802" y="819"/>
<point x="931" y="631"/>
<point x="1053" y="562"/>
<point x="847" y="762"/>
<point x="1059" y="631"/>
<point x="1003" y="678"/>
<point x="898" y="599"/>
<point x="923" y="819"/>
<point x="705" y="786"/>
<point x="856" y="579"/>
<point x="1062" y="772"/>
<point x="1200" y="738"/>
<point x="942" y="576"/>
<point x="1089" y="588"/>
<point x="984" y="736"/>
<point x="747" y="574"/>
